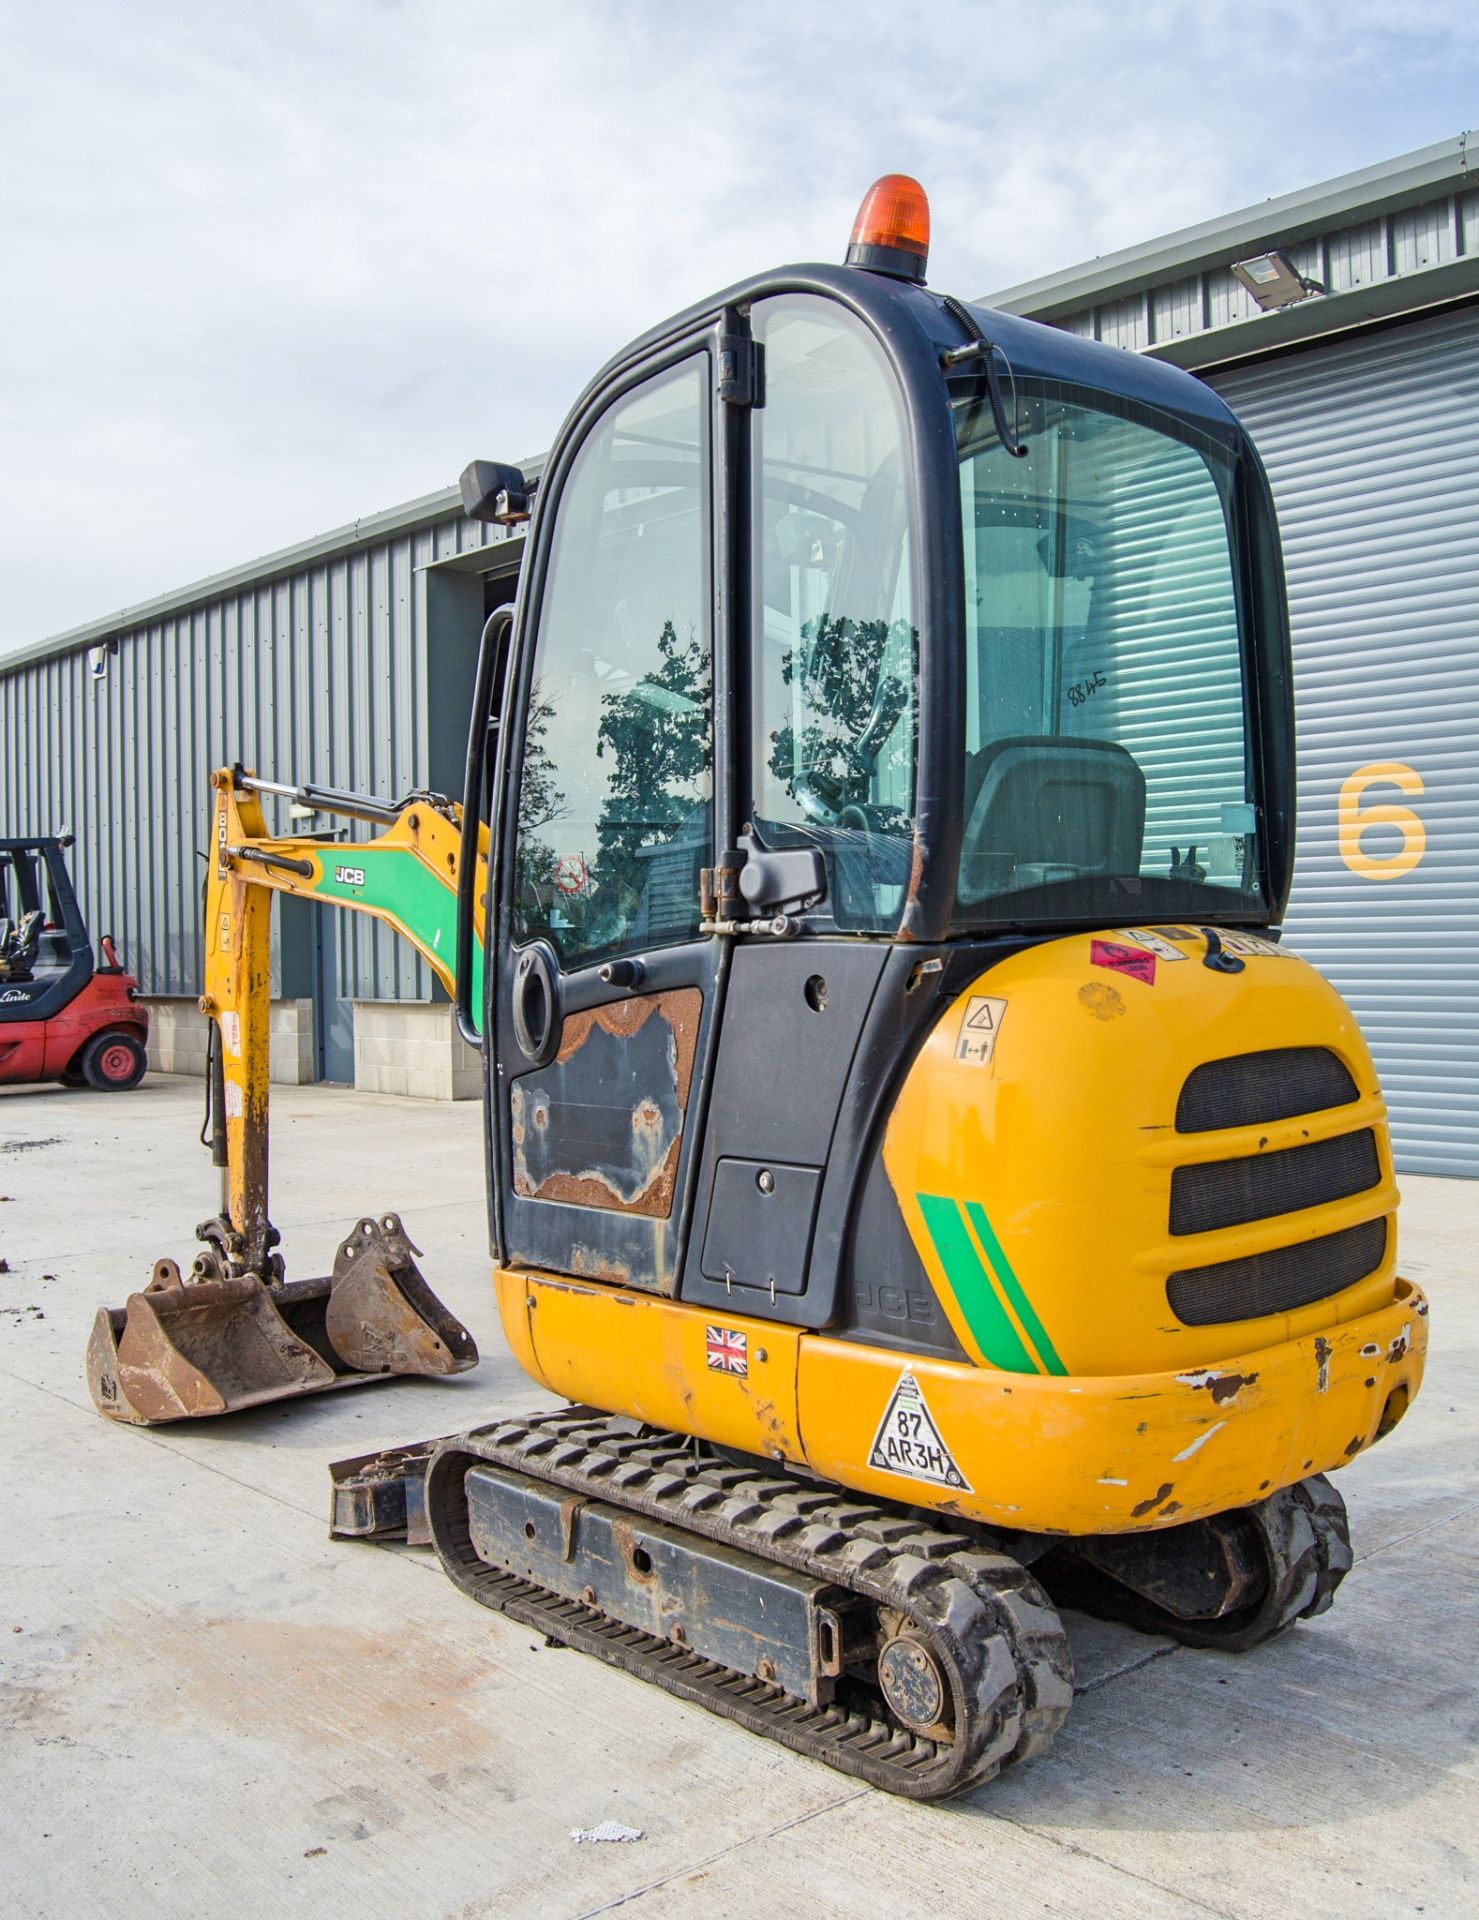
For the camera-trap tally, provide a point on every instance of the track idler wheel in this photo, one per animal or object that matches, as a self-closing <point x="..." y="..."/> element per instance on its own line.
<point x="914" y="1686"/>
<point x="1229" y="1583"/>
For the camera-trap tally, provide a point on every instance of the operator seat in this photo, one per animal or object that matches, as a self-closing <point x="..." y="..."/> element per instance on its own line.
<point x="53" y="952"/>
<point x="18" y="948"/>
<point x="1045" y="807"/>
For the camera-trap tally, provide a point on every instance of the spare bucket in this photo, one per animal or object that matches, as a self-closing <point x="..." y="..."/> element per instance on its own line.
<point x="187" y="1348"/>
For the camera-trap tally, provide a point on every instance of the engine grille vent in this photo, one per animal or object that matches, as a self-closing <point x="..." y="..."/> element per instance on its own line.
<point x="1251" y="1089"/>
<point x="1277" y="1281"/>
<point x="1229" y="1193"/>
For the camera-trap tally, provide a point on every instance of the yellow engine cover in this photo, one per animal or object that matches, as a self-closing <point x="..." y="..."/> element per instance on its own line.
<point x="1034" y="1152"/>
<point x="1035" y="1171"/>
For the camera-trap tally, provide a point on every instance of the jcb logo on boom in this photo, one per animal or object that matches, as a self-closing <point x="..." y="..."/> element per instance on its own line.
<point x="350" y="876"/>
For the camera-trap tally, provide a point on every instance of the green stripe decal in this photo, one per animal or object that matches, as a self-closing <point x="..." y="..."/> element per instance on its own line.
<point x="400" y="883"/>
<point x="1012" y="1287"/>
<point x="979" y="1301"/>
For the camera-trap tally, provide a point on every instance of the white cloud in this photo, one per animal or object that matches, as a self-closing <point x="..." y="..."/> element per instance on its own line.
<point x="267" y="268"/>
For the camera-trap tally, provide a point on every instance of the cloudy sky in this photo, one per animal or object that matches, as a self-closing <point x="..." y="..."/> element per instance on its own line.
<point x="266" y="267"/>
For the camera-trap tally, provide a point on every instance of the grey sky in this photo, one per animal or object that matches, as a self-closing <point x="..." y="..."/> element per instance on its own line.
<point x="268" y="267"/>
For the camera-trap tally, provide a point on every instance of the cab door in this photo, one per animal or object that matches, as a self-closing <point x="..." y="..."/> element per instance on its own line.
<point x="604" y="988"/>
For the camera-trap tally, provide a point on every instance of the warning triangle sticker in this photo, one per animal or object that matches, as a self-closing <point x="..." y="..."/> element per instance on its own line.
<point x="979" y="1027"/>
<point x="1134" y="961"/>
<point x="909" y="1443"/>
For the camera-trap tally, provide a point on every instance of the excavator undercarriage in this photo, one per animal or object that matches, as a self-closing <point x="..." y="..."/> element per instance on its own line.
<point x="919" y="1653"/>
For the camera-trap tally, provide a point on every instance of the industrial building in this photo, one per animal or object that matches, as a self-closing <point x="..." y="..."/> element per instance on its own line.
<point x="1341" y="322"/>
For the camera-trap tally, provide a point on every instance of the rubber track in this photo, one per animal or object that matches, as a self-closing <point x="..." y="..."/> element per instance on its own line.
<point x="1305" y="1541"/>
<point x="994" y="1631"/>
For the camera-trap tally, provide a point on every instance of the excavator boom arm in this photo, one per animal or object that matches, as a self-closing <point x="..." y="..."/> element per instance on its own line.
<point x="234" y="1333"/>
<point x="405" y="876"/>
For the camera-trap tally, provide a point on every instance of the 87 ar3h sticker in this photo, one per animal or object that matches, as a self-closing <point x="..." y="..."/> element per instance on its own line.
<point x="909" y="1443"/>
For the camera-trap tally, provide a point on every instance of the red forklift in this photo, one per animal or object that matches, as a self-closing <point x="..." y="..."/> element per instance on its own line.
<point x="64" y="1015"/>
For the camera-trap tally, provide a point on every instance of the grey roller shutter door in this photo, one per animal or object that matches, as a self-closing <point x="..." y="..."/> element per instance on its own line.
<point x="1372" y="446"/>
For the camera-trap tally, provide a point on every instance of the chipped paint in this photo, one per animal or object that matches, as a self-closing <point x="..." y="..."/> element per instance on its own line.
<point x="1143" y="1507"/>
<point x="592" y="1264"/>
<point x="1200" y="1441"/>
<point x="1222" y="1386"/>
<point x="602" y="1125"/>
<point x="909" y="918"/>
<point x="1323" y="1351"/>
<point x="1109" y="1480"/>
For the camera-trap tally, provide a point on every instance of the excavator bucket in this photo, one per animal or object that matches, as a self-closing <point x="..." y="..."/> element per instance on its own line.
<point x="187" y="1348"/>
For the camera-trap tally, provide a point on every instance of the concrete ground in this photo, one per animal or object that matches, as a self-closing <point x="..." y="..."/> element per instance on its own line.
<point x="209" y="1708"/>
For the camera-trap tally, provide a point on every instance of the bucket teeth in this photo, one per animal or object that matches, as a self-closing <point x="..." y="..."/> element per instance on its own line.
<point x="187" y="1349"/>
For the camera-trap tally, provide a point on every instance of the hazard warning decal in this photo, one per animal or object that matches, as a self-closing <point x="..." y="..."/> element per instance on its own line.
<point x="1251" y="943"/>
<point x="1154" y="942"/>
<point x="727" y="1350"/>
<point x="979" y="1028"/>
<point x="1136" y="962"/>
<point x="908" y="1442"/>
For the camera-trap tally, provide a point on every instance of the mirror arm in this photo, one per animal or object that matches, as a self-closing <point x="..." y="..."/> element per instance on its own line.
<point x="979" y="347"/>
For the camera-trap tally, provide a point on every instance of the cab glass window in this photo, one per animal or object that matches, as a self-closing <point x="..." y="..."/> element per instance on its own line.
<point x="1108" y="768"/>
<point x="615" y="794"/>
<point x="834" y="649"/>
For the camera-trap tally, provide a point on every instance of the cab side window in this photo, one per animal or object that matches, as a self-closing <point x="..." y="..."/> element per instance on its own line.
<point x="834" y="652"/>
<point x="615" y="798"/>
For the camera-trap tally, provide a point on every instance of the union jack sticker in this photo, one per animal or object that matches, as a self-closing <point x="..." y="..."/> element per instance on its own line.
<point x="727" y="1350"/>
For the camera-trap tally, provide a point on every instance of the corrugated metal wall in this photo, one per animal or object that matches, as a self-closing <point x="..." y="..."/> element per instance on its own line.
<point x="1372" y="446"/>
<point x="1407" y="241"/>
<point x="318" y="675"/>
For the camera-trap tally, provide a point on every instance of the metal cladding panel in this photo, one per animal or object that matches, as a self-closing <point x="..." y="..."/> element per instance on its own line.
<point x="1372" y="446"/>
<point x="320" y="674"/>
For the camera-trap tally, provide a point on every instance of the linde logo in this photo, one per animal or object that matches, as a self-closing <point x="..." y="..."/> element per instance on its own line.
<point x="350" y="876"/>
<point x="12" y="994"/>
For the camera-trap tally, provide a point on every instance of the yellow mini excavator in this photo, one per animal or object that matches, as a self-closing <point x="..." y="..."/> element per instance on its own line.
<point x="916" y="1160"/>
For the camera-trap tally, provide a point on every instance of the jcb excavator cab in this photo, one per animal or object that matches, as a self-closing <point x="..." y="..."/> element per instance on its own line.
<point x="867" y="643"/>
<point x="64" y="1014"/>
<point x="899" y="1098"/>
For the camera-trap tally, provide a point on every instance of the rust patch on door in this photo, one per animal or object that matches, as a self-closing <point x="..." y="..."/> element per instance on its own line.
<point x="602" y="1125"/>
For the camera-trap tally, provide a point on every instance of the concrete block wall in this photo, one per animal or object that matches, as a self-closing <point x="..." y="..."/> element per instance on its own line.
<point x="413" y="1047"/>
<point x="293" y="1059"/>
<point x="177" y="1039"/>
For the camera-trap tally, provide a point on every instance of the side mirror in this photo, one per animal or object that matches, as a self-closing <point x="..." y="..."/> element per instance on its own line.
<point x="492" y="491"/>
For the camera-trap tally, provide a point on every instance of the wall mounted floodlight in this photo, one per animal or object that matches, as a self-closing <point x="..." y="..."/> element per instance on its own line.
<point x="1273" y="280"/>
